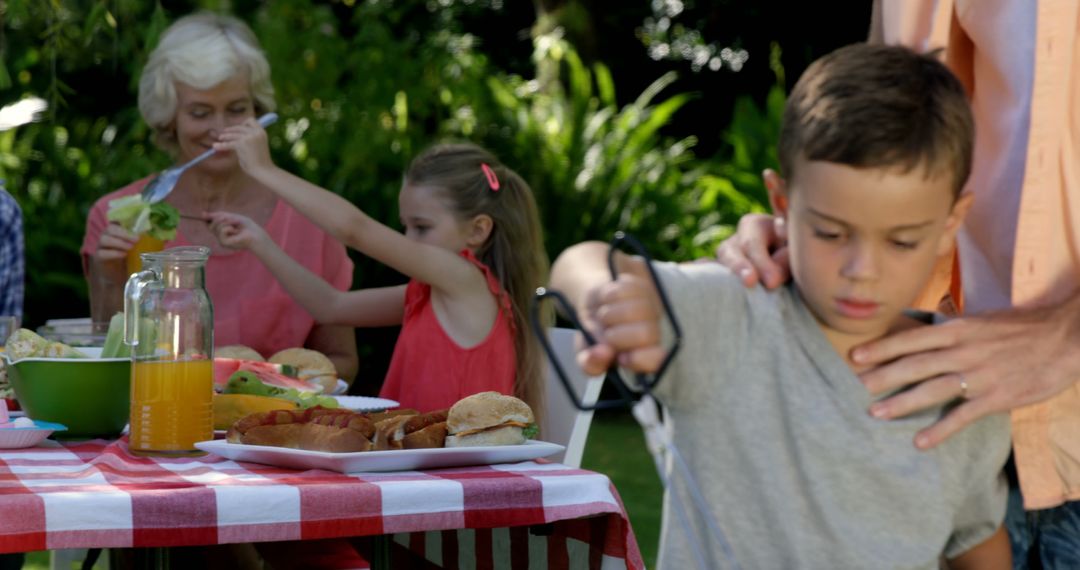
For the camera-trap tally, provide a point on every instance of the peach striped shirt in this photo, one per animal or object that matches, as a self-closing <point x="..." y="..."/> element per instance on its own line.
<point x="1020" y="245"/>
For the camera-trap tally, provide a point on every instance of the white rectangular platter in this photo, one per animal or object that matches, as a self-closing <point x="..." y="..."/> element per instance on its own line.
<point x="375" y="461"/>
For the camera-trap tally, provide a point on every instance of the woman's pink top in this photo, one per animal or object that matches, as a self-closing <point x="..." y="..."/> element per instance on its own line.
<point x="429" y="371"/>
<point x="250" y="306"/>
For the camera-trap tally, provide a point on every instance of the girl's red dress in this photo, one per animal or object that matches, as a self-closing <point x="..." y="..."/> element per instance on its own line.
<point x="429" y="371"/>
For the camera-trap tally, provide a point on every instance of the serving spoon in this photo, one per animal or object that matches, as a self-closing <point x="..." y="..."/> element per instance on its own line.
<point x="157" y="189"/>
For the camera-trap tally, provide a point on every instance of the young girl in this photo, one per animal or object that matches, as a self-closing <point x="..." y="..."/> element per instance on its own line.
<point x="472" y="248"/>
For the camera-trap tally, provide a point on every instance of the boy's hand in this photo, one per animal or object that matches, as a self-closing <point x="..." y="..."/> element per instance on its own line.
<point x="248" y="141"/>
<point x="235" y="231"/>
<point x="624" y="317"/>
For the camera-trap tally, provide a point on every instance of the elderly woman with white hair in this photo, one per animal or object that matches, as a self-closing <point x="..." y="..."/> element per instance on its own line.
<point x="207" y="73"/>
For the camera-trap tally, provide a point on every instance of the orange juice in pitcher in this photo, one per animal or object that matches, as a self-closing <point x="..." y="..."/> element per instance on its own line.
<point x="171" y="407"/>
<point x="146" y="243"/>
<point x="169" y="322"/>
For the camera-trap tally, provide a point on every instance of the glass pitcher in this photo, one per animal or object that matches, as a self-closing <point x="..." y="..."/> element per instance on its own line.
<point x="169" y="323"/>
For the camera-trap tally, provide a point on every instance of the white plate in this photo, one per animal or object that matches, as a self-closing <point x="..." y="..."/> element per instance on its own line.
<point x="365" y="403"/>
<point x="340" y="388"/>
<point x="368" y="461"/>
<point x="16" y="438"/>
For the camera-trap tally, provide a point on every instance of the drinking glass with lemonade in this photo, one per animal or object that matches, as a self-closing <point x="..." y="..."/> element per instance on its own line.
<point x="155" y="224"/>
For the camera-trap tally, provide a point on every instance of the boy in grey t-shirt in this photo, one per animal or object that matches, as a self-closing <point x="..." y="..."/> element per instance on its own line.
<point x="763" y="399"/>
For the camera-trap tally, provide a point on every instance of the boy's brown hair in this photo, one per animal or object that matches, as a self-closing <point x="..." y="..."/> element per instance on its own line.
<point x="877" y="106"/>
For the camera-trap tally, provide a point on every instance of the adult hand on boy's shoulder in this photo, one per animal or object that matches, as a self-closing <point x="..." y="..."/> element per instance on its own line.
<point x="757" y="251"/>
<point x="624" y="317"/>
<point x="995" y="362"/>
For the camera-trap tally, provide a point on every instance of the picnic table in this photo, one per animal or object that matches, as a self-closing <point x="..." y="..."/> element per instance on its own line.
<point x="96" y="494"/>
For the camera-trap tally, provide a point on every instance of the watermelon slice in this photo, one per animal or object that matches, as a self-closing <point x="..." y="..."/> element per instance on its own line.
<point x="268" y="372"/>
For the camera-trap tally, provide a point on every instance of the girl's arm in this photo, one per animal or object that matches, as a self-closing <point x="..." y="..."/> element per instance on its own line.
<point x="443" y="270"/>
<point x="363" y="308"/>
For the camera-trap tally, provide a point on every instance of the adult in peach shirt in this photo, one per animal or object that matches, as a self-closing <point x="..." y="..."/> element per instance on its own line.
<point x="207" y="73"/>
<point x="1016" y="347"/>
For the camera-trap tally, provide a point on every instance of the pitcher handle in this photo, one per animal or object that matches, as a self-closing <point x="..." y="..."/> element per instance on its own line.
<point x="132" y="291"/>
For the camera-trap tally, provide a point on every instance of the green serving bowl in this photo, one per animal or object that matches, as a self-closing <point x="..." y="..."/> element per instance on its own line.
<point x="91" y="396"/>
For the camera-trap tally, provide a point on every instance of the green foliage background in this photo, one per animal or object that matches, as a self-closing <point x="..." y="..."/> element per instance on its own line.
<point x="362" y="87"/>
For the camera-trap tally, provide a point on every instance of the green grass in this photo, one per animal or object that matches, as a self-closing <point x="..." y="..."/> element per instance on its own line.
<point x="616" y="448"/>
<point x="36" y="560"/>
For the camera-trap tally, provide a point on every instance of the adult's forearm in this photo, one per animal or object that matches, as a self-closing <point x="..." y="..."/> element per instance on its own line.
<point x="106" y="297"/>
<point x="338" y="343"/>
<point x="346" y="364"/>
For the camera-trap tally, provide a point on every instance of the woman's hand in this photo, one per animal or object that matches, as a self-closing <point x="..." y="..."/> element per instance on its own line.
<point x="757" y="251"/>
<point x="106" y="271"/>
<point x="994" y="362"/>
<point x="109" y="259"/>
<point x="624" y="317"/>
<point x="248" y="141"/>
<point x="236" y="231"/>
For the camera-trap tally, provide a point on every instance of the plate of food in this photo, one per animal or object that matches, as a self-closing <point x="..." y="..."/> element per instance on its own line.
<point x="482" y="429"/>
<point x="365" y="403"/>
<point x="378" y="461"/>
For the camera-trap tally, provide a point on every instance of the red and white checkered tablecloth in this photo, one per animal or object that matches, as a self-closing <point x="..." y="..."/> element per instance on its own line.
<point x="96" y="494"/>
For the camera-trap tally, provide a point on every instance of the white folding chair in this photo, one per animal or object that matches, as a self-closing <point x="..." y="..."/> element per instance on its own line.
<point x="563" y="423"/>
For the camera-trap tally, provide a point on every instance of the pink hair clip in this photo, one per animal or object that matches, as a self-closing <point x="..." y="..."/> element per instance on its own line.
<point x="493" y="180"/>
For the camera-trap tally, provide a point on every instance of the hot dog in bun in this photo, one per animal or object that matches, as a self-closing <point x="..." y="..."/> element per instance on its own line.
<point x="488" y="418"/>
<point x="314" y="429"/>
<point x="411" y="431"/>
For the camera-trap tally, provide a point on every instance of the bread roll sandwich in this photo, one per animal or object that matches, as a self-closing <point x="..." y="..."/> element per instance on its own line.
<point x="311" y="366"/>
<point x="411" y="431"/>
<point x="488" y="418"/>
<point x="314" y="429"/>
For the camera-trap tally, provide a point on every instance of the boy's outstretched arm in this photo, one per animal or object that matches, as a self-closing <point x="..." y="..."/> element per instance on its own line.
<point x="993" y="553"/>
<point x="623" y="315"/>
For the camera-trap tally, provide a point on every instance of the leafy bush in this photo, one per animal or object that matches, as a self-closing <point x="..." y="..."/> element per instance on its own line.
<point x="597" y="168"/>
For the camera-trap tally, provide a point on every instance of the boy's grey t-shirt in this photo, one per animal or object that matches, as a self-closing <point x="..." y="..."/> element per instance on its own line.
<point x="775" y="427"/>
